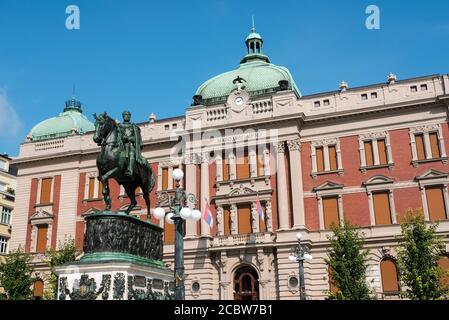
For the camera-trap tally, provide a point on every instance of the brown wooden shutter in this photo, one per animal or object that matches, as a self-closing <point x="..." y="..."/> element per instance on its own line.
<point x="262" y="226"/>
<point x="46" y="190"/>
<point x="41" y="243"/>
<point x="435" y="203"/>
<point x="382" y="212"/>
<point x="420" y="150"/>
<point x="332" y="286"/>
<point x="169" y="233"/>
<point x="244" y="217"/>
<point x="382" y="148"/>
<point x="91" y="188"/>
<point x="319" y="159"/>
<point x="260" y="165"/>
<point x="434" y="145"/>
<point x="333" y="158"/>
<point x="443" y="262"/>
<point x="100" y="189"/>
<point x="226" y="176"/>
<point x="369" y="157"/>
<point x="164" y="178"/>
<point x="330" y="212"/>
<point x="227" y="221"/>
<point x="38" y="291"/>
<point x="389" y="275"/>
<point x="243" y="166"/>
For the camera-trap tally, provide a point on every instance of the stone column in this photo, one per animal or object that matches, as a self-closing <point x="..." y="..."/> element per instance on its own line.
<point x="253" y="162"/>
<point x="220" y="225"/>
<point x="205" y="229"/>
<point x="294" y="147"/>
<point x="281" y="186"/>
<point x="190" y="182"/>
<point x="254" y="218"/>
<point x="232" y="166"/>
<point x="268" y="214"/>
<point x="234" y="219"/>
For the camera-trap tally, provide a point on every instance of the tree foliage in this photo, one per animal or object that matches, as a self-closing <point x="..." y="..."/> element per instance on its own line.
<point x="16" y="276"/>
<point x="347" y="263"/>
<point x="418" y="254"/>
<point x="67" y="253"/>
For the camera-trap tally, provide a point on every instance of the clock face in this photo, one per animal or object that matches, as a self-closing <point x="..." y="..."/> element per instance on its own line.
<point x="238" y="101"/>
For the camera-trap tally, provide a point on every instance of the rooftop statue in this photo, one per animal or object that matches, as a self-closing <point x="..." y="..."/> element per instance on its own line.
<point x="121" y="158"/>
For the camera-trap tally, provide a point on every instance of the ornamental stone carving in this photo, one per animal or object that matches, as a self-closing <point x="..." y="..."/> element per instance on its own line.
<point x="425" y="128"/>
<point x="294" y="145"/>
<point x="205" y="157"/>
<point x="373" y="135"/>
<point x="280" y="147"/>
<point x="324" y="142"/>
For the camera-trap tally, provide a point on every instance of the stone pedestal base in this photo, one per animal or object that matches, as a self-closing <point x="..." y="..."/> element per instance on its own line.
<point x="114" y="280"/>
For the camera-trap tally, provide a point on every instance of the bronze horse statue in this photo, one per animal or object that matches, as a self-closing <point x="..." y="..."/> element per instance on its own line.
<point x="112" y="163"/>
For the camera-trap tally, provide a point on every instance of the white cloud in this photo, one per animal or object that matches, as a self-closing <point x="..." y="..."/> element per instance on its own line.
<point x="10" y="124"/>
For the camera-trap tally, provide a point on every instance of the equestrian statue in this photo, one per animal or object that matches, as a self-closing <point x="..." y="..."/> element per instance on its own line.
<point x="121" y="158"/>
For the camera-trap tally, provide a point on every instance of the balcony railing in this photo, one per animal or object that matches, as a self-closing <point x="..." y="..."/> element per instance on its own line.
<point x="241" y="239"/>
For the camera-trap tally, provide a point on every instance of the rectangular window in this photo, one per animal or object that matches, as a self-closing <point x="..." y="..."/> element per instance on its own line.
<point x="333" y="158"/>
<point x="169" y="233"/>
<point x="369" y="156"/>
<point x="320" y="159"/>
<point x="382" y="212"/>
<point x="330" y="212"/>
<point x="435" y="203"/>
<point x="420" y="149"/>
<point x="244" y="218"/>
<point x="41" y="243"/>
<point x="326" y="103"/>
<point x="434" y="145"/>
<point x="260" y="171"/>
<point x="364" y="96"/>
<point x="164" y="178"/>
<point x="227" y="221"/>
<point x="413" y="88"/>
<point x="373" y="95"/>
<point x="100" y="189"/>
<point x="3" y="244"/>
<point x="226" y="175"/>
<point x="317" y="104"/>
<point x="382" y="151"/>
<point x="91" y="188"/>
<point x="46" y="191"/>
<point x="262" y="226"/>
<point x="6" y="215"/>
<point x="424" y="87"/>
<point x="243" y="166"/>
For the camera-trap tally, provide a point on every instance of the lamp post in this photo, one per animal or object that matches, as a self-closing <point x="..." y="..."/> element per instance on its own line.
<point x="301" y="253"/>
<point x="178" y="212"/>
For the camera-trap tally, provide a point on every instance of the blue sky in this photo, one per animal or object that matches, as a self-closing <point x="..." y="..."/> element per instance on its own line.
<point x="152" y="56"/>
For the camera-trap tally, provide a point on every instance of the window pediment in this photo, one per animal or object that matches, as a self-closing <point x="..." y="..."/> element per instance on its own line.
<point x="432" y="174"/>
<point x="328" y="185"/>
<point x="41" y="216"/>
<point x="379" y="179"/>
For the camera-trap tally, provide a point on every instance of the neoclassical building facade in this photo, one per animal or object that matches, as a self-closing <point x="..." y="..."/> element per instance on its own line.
<point x="362" y="154"/>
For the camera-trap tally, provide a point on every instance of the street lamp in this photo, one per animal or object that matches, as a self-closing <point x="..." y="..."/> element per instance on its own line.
<point x="301" y="253"/>
<point x="178" y="212"/>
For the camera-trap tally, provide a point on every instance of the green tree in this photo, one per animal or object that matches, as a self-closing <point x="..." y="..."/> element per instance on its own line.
<point x="16" y="276"/>
<point x="347" y="263"/>
<point x="418" y="254"/>
<point x="67" y="253"/>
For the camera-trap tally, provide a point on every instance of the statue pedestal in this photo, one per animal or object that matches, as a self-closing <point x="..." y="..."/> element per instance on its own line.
<point x="122" y="261"/>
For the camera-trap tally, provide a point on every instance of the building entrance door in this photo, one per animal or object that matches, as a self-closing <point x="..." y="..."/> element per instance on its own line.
<point x="246" y="284"/>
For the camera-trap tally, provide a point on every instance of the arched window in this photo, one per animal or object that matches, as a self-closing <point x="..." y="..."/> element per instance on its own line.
<point x="444" y="265"/>
<point x="38" y="291"/>
<point x="246" y="284"/>
<point x="389" y="276"/>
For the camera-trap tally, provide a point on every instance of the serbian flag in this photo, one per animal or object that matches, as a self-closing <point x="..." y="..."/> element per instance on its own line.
<point x="259" y="208"/>
<point x="207" y="215"/>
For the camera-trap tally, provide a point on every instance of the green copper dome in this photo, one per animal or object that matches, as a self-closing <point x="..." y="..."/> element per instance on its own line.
<point x="70" y="120"/>
<point x="258" y="74"/>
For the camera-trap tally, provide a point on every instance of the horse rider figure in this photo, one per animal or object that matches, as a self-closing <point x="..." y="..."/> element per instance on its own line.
<point x="129" y="135"/>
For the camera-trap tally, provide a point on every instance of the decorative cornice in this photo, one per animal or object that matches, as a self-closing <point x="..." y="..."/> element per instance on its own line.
<point x="373" y="135"/>
<point x="425" y="128"/>
<point x="324" y="142"/>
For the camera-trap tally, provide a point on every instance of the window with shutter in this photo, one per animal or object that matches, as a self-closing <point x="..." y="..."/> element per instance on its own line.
<point x="91" y="188"/>
<point x="333" y="158"/>
<point x="227" y="221"/>
<point x="382" y="212"/>
<point x="262" y="226"/>
<point x="38" y="291"/>
<point x="226" y="176"/>
<point x="100" y="189"/>
<point x="435" y="203"/>
<point x="420" y="149"/>
<point x="330" y="212"/>
<point x="260" y="165"/>
<point x="169" y="233"/>
<point x="244" y="217"/>
<point x="389" y="275"/>
<point x="164" y="178"/>
<point x="46" y="190"/>
<point x="443" y="262"/>
<point x="243" y="166"/>
<point x="382" y="151"/>
<point x="332" y="286"/>
<point x="369" y="156"/>
<point x="41" y="243"/>
<point x="434" y="145"/>
<point x="319" y="159"/>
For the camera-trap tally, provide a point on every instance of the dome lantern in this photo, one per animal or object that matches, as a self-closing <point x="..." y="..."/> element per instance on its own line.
<point x="254" y="46"/>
